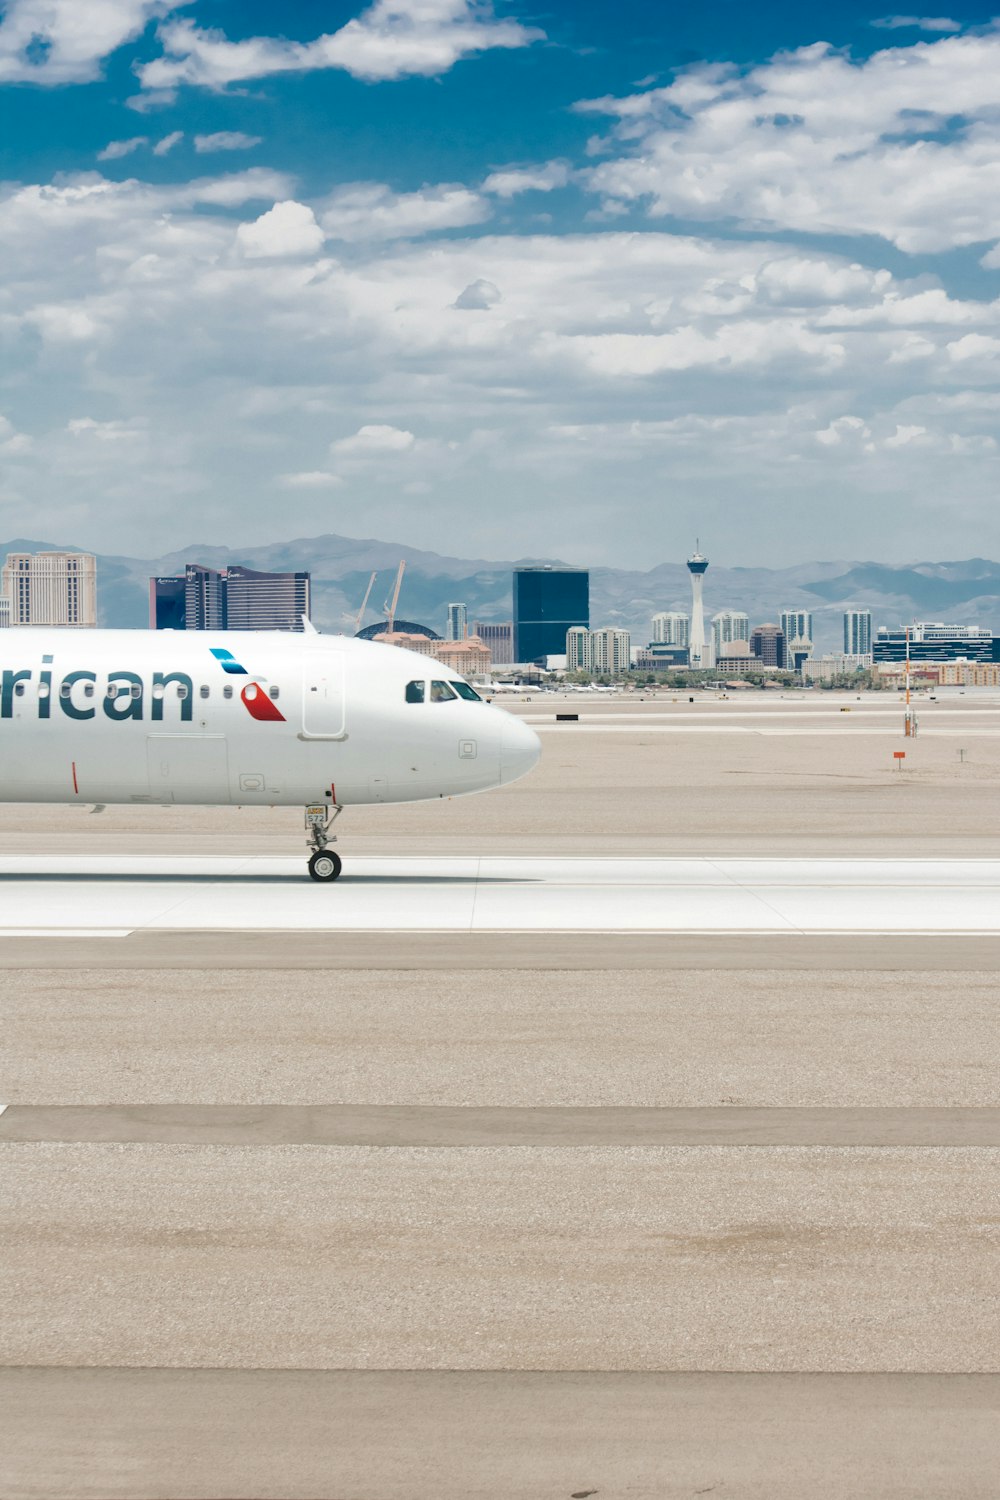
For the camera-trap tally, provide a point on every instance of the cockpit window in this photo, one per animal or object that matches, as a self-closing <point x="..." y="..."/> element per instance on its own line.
<point x="465" y="691"/>
<point x="415" y="692"/>
<point x="441" y="692"/>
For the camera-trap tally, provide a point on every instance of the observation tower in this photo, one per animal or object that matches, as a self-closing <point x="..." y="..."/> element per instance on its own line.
<point x="697" y="567"/>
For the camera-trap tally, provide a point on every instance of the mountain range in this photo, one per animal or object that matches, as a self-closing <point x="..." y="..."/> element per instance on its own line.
<point x="961" y="592"/>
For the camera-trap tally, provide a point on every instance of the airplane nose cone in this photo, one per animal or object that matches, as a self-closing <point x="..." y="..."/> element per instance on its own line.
<point x="520" y="748"/>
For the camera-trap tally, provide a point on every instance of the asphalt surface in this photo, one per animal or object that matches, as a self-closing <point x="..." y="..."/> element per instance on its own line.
<point x="351" y="1215"/>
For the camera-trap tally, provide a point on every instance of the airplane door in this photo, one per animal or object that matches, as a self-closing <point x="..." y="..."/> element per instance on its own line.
<point x="188" y="767"/>
<point x="324" y="711"/>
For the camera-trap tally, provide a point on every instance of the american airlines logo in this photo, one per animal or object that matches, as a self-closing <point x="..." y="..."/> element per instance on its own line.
<point x="126" y="694"/>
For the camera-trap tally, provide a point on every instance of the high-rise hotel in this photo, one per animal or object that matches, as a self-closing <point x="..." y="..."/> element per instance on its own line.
<point x="51" y="588"/>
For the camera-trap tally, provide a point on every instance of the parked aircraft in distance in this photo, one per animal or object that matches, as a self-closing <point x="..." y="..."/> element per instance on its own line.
<point x="258" y="719"/>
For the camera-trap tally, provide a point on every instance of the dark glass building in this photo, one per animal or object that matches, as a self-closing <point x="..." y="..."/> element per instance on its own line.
<point x="767" y="645"/>
<point x="933" y="641"/>
<point x="547" y="602"/>
<point x="234" y="598"/>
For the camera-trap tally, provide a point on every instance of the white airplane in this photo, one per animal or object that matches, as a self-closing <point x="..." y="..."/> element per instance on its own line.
<point x="258" y="719"/>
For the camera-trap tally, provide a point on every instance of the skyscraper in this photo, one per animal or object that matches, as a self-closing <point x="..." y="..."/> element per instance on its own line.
<point x="671" y="629"/>
<point x="797" y="624"/>
<point x="697" y="567"/>
<point x="797" y="628"/>
<point x="608" y="650"/>
<point x="235" y="598"/>
<point x="727" y="626"/>
<point x="266" y="601"/>
<point x="547" y="602"/>
<point x="857" y="632"/>
<point x="51" y="588"/>
<point x="767" y="642"/>
<point x="498" y="637"/>
<point x="457" y="627"/>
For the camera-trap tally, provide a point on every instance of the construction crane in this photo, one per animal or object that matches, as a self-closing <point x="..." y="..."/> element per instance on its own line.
<point x="390" y="604"/>
<point x="364" y="605"/>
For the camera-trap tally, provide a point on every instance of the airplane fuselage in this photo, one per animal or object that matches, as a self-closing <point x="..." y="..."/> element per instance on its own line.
<point x="266" y="719"/>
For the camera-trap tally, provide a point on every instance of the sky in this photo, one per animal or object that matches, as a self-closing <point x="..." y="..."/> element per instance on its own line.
<point x="583" y="280"/>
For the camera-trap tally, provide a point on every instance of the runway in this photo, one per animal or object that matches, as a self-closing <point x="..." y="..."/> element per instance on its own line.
<point x="117" y="897"/>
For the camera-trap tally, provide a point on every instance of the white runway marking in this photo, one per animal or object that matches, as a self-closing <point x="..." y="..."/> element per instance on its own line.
<point x="74" y="898"/>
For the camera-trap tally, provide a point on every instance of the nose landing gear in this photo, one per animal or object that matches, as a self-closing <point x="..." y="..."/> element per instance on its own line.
<point x="324" y="864"/>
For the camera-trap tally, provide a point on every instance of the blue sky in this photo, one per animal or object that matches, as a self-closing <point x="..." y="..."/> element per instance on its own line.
<point x="579" y="280"/>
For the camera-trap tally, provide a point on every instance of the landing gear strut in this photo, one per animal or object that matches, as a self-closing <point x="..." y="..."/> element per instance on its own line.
<point x="324" y="864"/>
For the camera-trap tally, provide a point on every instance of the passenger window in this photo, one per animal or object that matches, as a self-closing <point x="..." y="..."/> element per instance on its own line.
<point x="112" y="691"/>
<point x="88" y="689"/>
<point x="182" y="691"/>
<point x="274" y="692"/>
<point x="19" y="690"/>
<point x="203" y="690"/>
<point x="465" y="691"/>
<point x="441" y="692"/>
<point x="136" y="689"/>
<point x="227" y="691"/>
<point x="415" y="692"/>
<point x="65" y="690"/>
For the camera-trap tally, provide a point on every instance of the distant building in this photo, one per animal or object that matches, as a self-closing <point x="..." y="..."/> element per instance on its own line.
<point x="797" y="627"/>
<point x="498" y="638"/>
<point x="457" y="627"/>
<point x="797" y="624"/>
<point x="837" y="664"/>
<point x="932" y="640"/>
<point x="612" y="650"/>
<point x="608" y="650"/>
<point x="400" y="627"/>
<point x="671" y="629"/>
<point x="470" y="658"/>
<point x="729" y="625"/>
<point x="548" y="602"/>
<point x="235" y="598"/>
<point x="51" y="588"/>
<point x="857" y="632"/>
<point x="969" y="674"/>
<point x="579" y="656"/>
<point x="204" y="598"/>
<point x="767" y="643"/>
<point x="4" y="613"/>
<point x="699" y="647"/>
<point x="657" y="658"/>
<point x="266" y="601"/>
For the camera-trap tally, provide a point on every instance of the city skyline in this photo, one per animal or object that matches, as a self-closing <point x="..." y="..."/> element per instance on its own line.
<point x="734" y="270"/>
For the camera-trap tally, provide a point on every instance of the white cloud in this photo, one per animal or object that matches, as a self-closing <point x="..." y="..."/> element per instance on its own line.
<point x="375" y="440"/>
<point x="65" y="41"/>
<point x="288" y="228"/>
<point x="904" y="435"/>
<point x="115" y="150"/>
<point x="478" y="296"/>
<point x="311" y="479"/>
<point x="392" y="39"/>
<point x="510" y="181"/>
<point x="147" y="103"/>
<point x="372" y="211"/>
<point x="226" y="140"/>
<point x="815" y="142"/>
<point x="168" y="142"/>
<point x="105" y="432"/>
<point x="638" y="364"/>
<point x="917" y="23"/>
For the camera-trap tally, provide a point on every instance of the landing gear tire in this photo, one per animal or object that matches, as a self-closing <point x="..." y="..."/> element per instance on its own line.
<point x="325" y="865"/>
